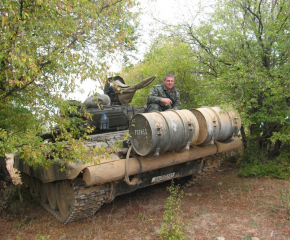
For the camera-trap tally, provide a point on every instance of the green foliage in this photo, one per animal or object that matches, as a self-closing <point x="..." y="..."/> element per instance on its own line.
<point x="285" y="199"/>
<point x="239" y="55"/>
<point x="253" y="163"/>
<point x="169" y="57"/>
<point x="46" y="46"/>
<point x="172" y="227"/>
<point x="270" y="169"/>
<point x="248" y="57"/>
<point x="235" y="56"/>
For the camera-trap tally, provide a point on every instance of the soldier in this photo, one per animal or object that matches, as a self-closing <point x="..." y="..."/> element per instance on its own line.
<point x="164" y="96"/>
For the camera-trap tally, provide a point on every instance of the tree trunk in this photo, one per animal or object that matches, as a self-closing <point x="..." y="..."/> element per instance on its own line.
<point x="4" y="174"/>
<point x="6" y="185"/>
<point x="244" y="138"/>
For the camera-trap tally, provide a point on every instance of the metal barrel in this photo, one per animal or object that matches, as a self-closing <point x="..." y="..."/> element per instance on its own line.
<point x="216" y="124"/>
<point x="208" y="125"/>
<point x="230" y="123"/>
<point x="163" y="131"/>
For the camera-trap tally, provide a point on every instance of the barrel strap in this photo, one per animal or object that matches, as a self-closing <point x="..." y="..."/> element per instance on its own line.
<point x="157" y="150"/>
<point x="131" y="110"/>
<point x="187" y="146"/>
<point x="140" y="165"/>
<point x="159" y="133"/>
<point x="217" y="147"/>
<point x="190" y="131"/>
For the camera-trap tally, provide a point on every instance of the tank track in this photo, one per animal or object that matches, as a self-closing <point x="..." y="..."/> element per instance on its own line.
<point x="208" y="166"/>
<point x="87" y="200"/>
<point x="85" y="204"/>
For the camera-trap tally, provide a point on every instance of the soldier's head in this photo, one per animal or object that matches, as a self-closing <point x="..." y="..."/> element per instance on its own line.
<point x="168" y="81"/>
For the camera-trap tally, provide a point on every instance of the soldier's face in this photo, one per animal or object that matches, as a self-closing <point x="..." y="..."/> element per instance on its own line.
<point x="169" y="83"/>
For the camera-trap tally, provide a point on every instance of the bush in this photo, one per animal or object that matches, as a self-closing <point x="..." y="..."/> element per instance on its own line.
<point x="255" y="162"/>
<point x="6" y="194"/>
<point x="272" y="168"/>
<point x="172" y="226"/>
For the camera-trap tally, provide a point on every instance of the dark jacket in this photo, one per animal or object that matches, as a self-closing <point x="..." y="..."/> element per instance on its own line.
<point x="158" y="92"/>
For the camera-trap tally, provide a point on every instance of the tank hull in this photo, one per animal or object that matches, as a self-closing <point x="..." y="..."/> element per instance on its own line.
<point x="80" y="190"/>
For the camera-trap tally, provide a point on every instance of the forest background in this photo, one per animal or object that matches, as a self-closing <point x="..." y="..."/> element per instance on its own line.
<point x="233" y="53"/>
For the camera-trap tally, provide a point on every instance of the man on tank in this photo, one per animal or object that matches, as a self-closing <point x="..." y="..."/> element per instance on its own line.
<point x="164" y="96"/>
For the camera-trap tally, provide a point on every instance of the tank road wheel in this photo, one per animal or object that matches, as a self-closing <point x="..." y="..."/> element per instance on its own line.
<point x="75" y="200"/>
<point x="65" y="197"/>
<point x="51" y="195"/>
<point x="43" y="194"/>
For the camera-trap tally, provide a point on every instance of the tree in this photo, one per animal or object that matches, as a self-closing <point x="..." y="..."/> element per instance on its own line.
<point x="238" y="56"/>
<point x="45" y="46"/>
<point x="243" y="46"/>
<point x="170" y="56"/>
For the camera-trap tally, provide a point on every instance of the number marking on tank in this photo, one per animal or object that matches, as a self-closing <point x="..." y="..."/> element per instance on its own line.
<point x="141" y="131"/>
<point x="163" y="178"/>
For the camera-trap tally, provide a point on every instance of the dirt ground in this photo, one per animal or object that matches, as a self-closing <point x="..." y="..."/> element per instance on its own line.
<point x="221" y="206"/>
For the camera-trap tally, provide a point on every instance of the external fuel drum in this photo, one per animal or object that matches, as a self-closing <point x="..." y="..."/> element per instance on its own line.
<point x="216" y="124"/>
<point x="158" y="132"/>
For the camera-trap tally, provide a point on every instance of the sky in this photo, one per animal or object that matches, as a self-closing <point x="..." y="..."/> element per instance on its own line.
<point x="170" y="11"/>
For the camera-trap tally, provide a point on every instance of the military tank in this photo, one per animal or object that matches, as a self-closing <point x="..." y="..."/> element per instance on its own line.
<point x="161" y="146"/>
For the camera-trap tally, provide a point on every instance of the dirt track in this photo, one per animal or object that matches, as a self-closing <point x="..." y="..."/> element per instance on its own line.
<point x="220" y="206"/>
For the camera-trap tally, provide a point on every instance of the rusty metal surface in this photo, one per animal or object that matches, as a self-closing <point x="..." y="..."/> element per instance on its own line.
<point x="216" y="124"/>
<point x="230" y="123"/>
<point x="158" y="132"/>
<point x="113" y="171"/>
<point x="208" y="127"/>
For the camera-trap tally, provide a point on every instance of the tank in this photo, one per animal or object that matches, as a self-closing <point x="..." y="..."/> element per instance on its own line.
<point x="162" y="146"/>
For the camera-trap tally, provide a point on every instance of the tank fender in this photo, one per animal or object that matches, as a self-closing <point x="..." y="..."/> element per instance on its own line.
<point x="74" y="169"/>
<point x="53" y="173"/>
